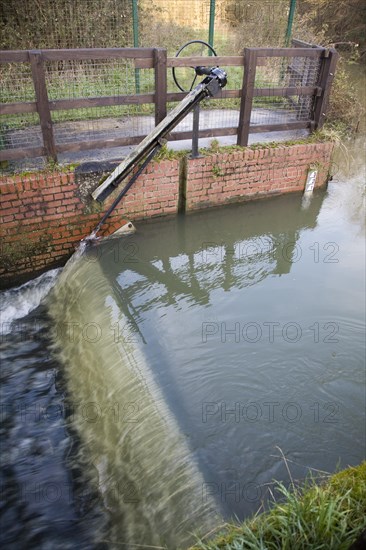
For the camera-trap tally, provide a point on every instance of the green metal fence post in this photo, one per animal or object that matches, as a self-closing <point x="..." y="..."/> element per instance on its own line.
<point x="135" y="21"/>
<point x="290" y="22"/>
<point x="211" y="25"/>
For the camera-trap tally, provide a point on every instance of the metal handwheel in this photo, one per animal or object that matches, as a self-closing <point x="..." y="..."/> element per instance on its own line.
<point x="182" y="76"/>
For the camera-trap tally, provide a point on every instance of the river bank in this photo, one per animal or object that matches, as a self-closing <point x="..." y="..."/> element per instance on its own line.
<point x="329" y="515"/>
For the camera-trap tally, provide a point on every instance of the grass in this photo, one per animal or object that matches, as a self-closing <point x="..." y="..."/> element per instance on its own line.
<point x="170" y="154"/>
<point x="330" y="515"/>
<point x="323" y="135"/>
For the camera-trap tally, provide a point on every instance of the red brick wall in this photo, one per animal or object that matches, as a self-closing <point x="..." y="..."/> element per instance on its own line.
<point x="253" y="173"/>
<point x="155" y="193"/>
<point x="43" y="216"/>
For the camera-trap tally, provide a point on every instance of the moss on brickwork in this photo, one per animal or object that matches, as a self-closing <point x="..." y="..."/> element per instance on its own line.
<point x="217" y="171"/>
<point x="320" y="136"/>
<point x="93" y="207"/>
<point x="48" y="170"/>
<point x="13" y="254"/>
<point x="169" y="154"/>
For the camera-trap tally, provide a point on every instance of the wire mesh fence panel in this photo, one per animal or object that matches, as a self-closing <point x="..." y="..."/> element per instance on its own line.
<point x="106" y="102"/>
<point x="16" y="83"/>
<point x="90" y="79"/>
<point x="219" y="113"/>
<point x="100" y="125"/>
<point x="164" y="23"/>
<point x="75" y="80"/>
<point x="209" y="119"/>
<point x="95" y="78"/>
<point x="257" y="23"/>
<point x="276" y="106"/>
<point x="171" y="23"/>
<point x="20" y="131"/>
<point x="292" y="71"/>
<point x="303" y="71"/>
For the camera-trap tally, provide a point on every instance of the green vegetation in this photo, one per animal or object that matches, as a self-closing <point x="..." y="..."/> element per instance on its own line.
<point x="23" y="249"/>
<point x="326" y="134"/>
<point x="345" y="109"/>
<point x="255" y="25"/>
<point x="64" y="24"/>
<point x="337" y="22"/>
<point x="217" y="171"/>
<point x="169" y="154"/>
<point x="319" y="136"/>
<point x="330" y="515"/>
<point x="49" y="168"/>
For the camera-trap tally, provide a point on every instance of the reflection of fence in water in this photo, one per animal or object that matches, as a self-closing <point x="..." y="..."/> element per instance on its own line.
<point x="198" y="274"/>
<point x="196" y="259"/>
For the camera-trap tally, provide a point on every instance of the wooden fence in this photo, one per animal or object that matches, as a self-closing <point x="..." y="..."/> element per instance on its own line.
<point x="156" y="59"/>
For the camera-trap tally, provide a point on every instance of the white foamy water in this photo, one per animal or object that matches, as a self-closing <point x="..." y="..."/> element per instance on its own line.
<point x="18" y="302"/>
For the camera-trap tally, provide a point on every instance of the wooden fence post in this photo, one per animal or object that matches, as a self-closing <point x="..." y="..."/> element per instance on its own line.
<point x="326" y="76"/>
<point x="43" y="108"/>
<point x="250" y="64"/>
<point x="160" y="66"/>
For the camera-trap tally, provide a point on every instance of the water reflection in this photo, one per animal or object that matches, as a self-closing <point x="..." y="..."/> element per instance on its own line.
<point x="194" y="256"/>
<point x="236" y="312"/>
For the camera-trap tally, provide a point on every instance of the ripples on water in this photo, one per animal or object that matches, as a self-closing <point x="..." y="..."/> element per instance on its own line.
<point x="176" y="362"/>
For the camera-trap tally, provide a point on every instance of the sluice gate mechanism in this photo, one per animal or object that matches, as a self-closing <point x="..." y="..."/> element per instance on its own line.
<point x="215" y="79"/>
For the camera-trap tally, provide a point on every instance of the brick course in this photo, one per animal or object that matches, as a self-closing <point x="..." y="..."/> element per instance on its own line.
<point x="248" y="174"/>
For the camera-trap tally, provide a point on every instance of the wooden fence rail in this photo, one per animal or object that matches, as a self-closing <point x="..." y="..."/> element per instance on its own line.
<point x="156" y="59"/>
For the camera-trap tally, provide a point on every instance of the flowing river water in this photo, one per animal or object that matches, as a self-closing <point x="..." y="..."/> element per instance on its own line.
<point x="150" y="388"/>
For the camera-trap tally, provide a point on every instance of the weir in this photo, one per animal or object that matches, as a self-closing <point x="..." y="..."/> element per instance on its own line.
<point x="131" y="408"/>
<point x="162" y="473"/>
<point x="144" y="466"/>
<point x="186" y="363"/>
<point x="134" y="411"/>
